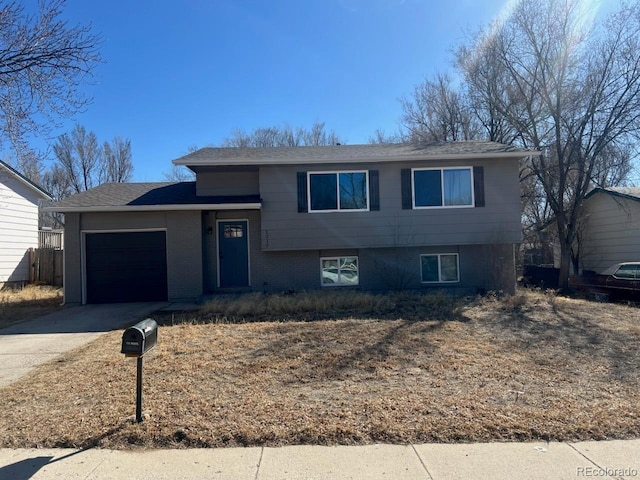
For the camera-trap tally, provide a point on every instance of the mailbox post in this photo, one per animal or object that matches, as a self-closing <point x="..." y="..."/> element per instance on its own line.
<point x="136" y="341"/>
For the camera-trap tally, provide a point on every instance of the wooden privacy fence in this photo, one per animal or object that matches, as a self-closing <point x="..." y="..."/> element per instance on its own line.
<point x="45" y="266"/>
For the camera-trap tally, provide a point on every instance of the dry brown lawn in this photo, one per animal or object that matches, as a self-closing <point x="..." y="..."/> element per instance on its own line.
<point x="533" y="366"/>
<point x="20" y="304"/>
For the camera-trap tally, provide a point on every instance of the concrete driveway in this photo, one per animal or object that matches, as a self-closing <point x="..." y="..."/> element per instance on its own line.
<point x="26" y="345"/>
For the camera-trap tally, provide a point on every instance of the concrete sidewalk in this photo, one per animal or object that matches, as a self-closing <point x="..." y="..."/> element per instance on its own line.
<point x="495" y="461"/>
<point x="26" y="345"/>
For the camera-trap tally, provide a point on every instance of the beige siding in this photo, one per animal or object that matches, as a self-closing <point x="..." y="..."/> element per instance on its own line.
<point x="283" y="228"/>
<point x="18" y="228"/>
<point x="228" y="183"/>
<point x="612" y="232"/>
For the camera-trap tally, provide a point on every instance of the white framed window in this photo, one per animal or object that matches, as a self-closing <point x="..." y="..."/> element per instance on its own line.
<point x="442" y="187"/>
<point x="338" y="191"/>
<point x="339" y="271"/>
<point x="440" y="268"/>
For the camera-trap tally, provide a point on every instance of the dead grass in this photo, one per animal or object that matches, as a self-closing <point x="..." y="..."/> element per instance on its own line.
<point x="328" y="305"/>
<point x="26" y="303"/>
<point x="533" y="366"/>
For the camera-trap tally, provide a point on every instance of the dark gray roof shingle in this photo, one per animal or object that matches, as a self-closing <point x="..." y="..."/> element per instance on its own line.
<point x="145" y="195"/>
<point x="349" y="153"/>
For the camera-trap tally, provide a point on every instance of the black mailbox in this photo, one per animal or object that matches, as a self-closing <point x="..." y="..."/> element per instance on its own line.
<point x="140" y="338"/>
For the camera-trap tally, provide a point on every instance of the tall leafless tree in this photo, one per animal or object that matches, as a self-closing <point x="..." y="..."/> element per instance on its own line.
<point x="80" y="156"/>
<point x="116" y="161"/>
<point x="82" y="163"/>
<point x="572" y="92"/>
<point x="547" y="77"/>
<point x="43" y="63"/>
<point x="436" y="111"/>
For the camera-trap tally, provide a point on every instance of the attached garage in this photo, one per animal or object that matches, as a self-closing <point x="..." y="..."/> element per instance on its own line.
<point x="126" y="267"/>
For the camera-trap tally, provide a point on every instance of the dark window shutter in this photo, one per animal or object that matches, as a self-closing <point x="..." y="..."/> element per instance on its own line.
<point x="374" y="190"/>
<point x="478" y="186"/>
<point x="302" y="192"/>
<point x="407" y="202"/>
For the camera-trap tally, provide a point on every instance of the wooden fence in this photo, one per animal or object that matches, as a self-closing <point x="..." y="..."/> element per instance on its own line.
<point x="45" y="266"/>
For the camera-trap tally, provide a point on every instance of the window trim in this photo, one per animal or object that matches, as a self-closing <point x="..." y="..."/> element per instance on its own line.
<point x="337" y="174"/>
<point x="338" y="258"/>
<point x="442" y="170"/>
<point x="440" y="281"/>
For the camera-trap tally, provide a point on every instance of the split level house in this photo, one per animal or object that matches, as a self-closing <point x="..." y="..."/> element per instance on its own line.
<point x="19" y="216"/>
<point x="370" y="217"/>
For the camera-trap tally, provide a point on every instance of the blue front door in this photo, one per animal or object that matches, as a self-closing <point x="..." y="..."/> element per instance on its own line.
<point x="233" y="253"/>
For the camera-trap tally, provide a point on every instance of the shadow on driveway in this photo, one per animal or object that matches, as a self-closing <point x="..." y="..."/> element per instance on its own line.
<point x="26" y="345"/>
<point x="85" y="318"/>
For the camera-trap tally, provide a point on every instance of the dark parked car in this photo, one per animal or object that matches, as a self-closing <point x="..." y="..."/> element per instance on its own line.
<point x="621" y="280"/>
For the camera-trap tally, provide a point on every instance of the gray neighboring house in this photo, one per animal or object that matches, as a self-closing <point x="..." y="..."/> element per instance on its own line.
<point x="610" y="230"/>
<point x="373" y="217"/>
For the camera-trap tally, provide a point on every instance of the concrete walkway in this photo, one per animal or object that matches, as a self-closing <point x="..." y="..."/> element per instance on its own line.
<point x="495" y="461"/>
<point x="26" y="345"/>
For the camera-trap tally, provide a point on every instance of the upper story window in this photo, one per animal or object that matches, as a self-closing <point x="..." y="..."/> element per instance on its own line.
<point x="337" y="191"/>
<point x="442" y="187"/>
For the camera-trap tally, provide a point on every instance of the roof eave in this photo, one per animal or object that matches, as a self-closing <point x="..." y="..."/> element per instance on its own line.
<point x="597" y="190"/>
<point x="24" y="180"/>
<point x="154" y="208"/>
<point x="316" y="161"/>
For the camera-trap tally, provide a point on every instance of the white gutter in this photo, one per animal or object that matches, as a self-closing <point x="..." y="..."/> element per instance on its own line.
<point x="156" y="208"/>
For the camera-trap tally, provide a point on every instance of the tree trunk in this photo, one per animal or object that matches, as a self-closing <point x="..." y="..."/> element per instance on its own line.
<point x="565" y="264"/>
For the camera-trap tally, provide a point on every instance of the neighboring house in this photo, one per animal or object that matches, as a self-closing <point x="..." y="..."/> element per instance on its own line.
<point x="374" y="217"/>
<point x="19" y="201"/>
<point x="610" y="228"/>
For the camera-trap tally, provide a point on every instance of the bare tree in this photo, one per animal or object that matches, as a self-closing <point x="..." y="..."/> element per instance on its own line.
<point x="81" y="163"/>
<point x="484" y="81"/>
<point x="179" y="173"/>
<point x="437" y="112"/>
<point x="317" y="136"/>
<point x="571" y="92"/>
<point x="380" y="137"/>
<point x="116" y="161"/>
<point x="284" y="136"/>
<point x="79" y="155"/>
<point x="57" y="182"/>
<point x="43" y="62"/>
<point x="30" y="165"/>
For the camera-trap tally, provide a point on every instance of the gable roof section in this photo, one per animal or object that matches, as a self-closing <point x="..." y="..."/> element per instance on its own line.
<point x="629" y="193"/>
<point x="38" y="190"/>
<point x="140" y="197"/>
<point x="237" y="156"/>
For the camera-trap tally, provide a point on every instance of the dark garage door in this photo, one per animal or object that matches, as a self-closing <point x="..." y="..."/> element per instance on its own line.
<point x="126" y="267"/>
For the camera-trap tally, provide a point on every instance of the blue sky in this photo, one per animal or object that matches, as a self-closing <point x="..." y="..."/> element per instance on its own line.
<point x="179" y="74"/>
